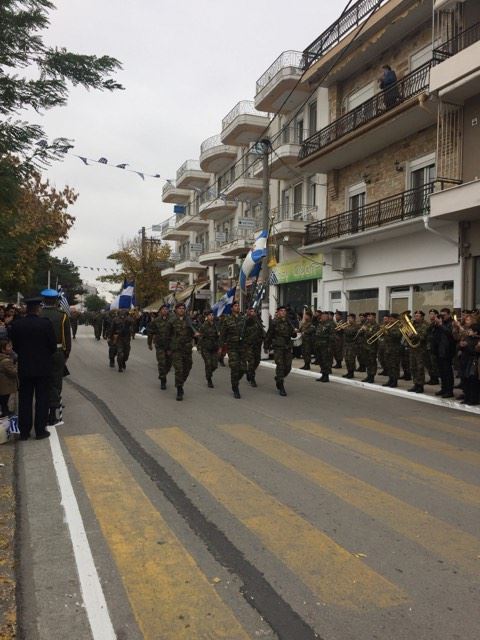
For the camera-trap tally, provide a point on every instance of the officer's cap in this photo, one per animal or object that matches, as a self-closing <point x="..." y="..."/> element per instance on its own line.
<point x="281" y="307"/>
<point x="33" y="302"/>
<point x="163" y="306"/>
<point x="394" y="315"/>
<point x="180" y="304"/>
<point x="49" y="293"/>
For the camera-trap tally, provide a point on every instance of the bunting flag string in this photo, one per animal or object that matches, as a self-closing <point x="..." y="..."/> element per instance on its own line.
<point x="99" y="268"/>
<point x="122" y="165"/>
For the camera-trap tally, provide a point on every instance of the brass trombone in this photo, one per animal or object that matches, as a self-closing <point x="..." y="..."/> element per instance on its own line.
<point x="382" y="331"/>
<point x="342" y="325"/>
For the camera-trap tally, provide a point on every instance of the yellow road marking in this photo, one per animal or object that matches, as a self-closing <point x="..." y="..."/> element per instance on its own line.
<point x="406" y="469"/>
<point x="443" y="426"/>
<point x="170" y="596"/>
<point x="471" y="457"/>
<point x="441" y="538"/>
<point x="333" y="574"/>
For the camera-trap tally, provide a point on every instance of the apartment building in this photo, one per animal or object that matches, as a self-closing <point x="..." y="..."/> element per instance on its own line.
<point x="381" y="247"/>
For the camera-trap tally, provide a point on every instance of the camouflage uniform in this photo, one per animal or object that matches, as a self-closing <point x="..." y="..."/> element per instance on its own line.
<point x="158" y="334"/>
<point x="107" y="323"/>
<point x="349" y="334"/>
<point x="279" y="336"/>
<point x="417" y="355"/>
<point x="308" y="334"/>
<point x="370" y="350"/>
<point x="74" y="323"/>
<point x="61" y="325"/>
<point x="362" y="349"/>
<point x="232" y="332"/>
<point x="338" y="347"/>
<point x="405" y="360"/>
<point x="381" y="354"/>
<point x="98" y="325"/>
<point x="393" y="352"/>
<point x="119" y="340"/>
<point x="254" y="335"/>
<point x="180" y="333"/>
<point x="431" y="360"/>
<point x="324" y="339"/>
<point x="209" y="343"/>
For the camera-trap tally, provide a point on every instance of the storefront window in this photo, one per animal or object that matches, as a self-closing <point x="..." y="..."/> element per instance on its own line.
<point x="363" y="300"/>
<point x="296" y="294"/>
<point x="432" y="295"/>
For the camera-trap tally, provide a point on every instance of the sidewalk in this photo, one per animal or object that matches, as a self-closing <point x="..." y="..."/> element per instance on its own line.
<point x="427" y="397"/>
<point x="7" y="551"/>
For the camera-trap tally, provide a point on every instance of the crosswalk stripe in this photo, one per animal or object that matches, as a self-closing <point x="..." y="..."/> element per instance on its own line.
<point x="438" y="537"/>
<point x="170" y="596"/>
<point x="454" y="430"/>
<point x="330" y="571"/>
<point x="444" y="448"/>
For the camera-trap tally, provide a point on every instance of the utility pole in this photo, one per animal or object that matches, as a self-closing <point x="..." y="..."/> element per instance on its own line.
<point x="265" y="146"/>
<point x="143" y="261"/>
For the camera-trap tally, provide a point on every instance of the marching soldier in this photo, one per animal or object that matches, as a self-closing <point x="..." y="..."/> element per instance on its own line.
<point x="107" y="323"/>
<point x="361" y="350"/>
<point x="307" y="329"/>
<point x="61" y="325"/>
<point x="254" y="335"/>
<point x="279" y="336"/>
<point x="369" y="329"/>
<point x="393" y="349"/>
<point x="417" y="354"/>
<point x="74" y="322"/>
<point x="180" y="335"/>
<point x="349" y="335"/>
<point x="324" y="340"/>
<point x="431" y="360"/>
<point x="98" y="324"/>
<point x="231" y="335"/>
<point x="338" y="343"/>
<point x="208" y="343"/>
<point x="119" y="339"/>
<point x="158" y="333"/>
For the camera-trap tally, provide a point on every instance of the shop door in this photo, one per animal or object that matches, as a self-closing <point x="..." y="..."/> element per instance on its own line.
<point x="399" y="304"/>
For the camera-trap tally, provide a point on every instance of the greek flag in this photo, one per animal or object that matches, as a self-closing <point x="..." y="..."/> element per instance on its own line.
<point x="126" y="299"/>
<point x="63" y="302"/>
<point x="224" y="305"/>
<point x="273" y="279"/>
<point x="253" y="262"/>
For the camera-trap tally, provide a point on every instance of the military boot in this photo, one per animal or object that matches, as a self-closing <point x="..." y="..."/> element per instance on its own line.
<point x="325" y="378"/>
<point x="163" y="384"/>
<point x="433" y="381"/>
<point x="413" y="389"/>
<point x="209" y="383"/>
<point x="370" y="379"/>
<point x="393" y="384"/>
<point x="322" y="379"/>
<point x="387" y="383"/>
<point x="281" y="389"/>
<point x="236" y="392"/>
<point x="253" y="382"/>
<point x="306" y="367"/>
<point x="179" y="393"/>
<point x="419" y="388"/>
<point x="112" y="362"/>
<point x="349" y="375"/>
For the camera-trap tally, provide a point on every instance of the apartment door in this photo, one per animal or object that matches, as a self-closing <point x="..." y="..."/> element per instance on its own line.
<point x="297" y="200"/>
<point x="421" y="181"/>
<point x="356" y="203"/>
<point x="285" y="204"/>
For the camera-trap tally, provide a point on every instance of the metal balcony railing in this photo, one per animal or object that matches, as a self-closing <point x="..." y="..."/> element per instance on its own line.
<point x="244" y="107"/>
<point x="403" y="206"/>
<point x="171" y="223"/>
<point x="284" y="60"/>
<point x="213" y="246"/>
<point x="167" y="186"/>
<point x="460" y="42"/>
<point x="294" y="212"/>
<point x="211" y="143"/>
<point x="347" y="22"/>
<point x="290" y="135"/>
<point x="411" y="85"/>
<point x="188" y="165"/>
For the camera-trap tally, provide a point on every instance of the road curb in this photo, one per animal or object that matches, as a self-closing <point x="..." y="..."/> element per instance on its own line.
<point x="427" y="399"/>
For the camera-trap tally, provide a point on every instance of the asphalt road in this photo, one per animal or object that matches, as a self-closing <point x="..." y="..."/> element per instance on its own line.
<point x="333" y="513"/>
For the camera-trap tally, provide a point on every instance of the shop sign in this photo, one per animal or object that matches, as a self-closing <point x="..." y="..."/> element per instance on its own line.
<point x="310" y="268"/>
<point x="203" y="294"/>
<point x="246" y="223"/>
<point x="220" y="236"/>
<point x="196" y="246"/>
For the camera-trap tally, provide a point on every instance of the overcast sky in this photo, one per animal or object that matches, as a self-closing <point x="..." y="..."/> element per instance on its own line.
<point x="185" y="65"/>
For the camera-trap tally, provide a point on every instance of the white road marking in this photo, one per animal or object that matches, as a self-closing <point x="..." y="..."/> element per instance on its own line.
<point x="93" y="596"/>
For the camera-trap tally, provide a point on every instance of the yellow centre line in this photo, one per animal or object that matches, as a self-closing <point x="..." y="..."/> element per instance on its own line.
<point x="438" y="537"/>
<point x="462" y="455"/>
<point x="170" y="596"/>
<point x="330" y="571"/>
<point x="405" y="468"/>
<point x="454" y="430"/>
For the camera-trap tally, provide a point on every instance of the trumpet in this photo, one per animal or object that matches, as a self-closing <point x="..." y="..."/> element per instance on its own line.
<point x="342" y="325"/>
<point x="382" y="331"/>
<point x="362" y="328"/>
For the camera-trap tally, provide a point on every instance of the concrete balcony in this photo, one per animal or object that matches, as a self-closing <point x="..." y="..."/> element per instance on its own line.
<point x="192" y="223"/>
<point x="278" y="89"/>
<point x="360" y="37"/>
<point x="215" y="156"/>
<point x="190" y="176"/>
<point x="170" y="231"/>
<point x="216" y="208"/>
<point x="456" y="77"/>
<point x="243" y="185"/>
<point x="189" y="263"/>
<point x="388" y="117"/>
<point x="172" y="194"/>
<point x="286" y="146"/>
<point x="387" y="218"/>
<point x="212" y="255"/>
<point x="243" y="124"/>
<point x="169" y="273"/>
<point x="291" y="220"/>
<point x="459" y="203"/>
<point x="239" y="242"/>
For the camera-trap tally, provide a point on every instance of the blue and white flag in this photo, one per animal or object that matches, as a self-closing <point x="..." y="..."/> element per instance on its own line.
<point x="126" y="299"/>
<point x="253" y="262"/>
<point x="224" y="305"/>
<point x="63" y="302"/>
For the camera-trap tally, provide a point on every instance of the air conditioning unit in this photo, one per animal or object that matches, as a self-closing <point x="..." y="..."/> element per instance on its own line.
<point x="233" y="271"/>
<point x="343" y="259"/>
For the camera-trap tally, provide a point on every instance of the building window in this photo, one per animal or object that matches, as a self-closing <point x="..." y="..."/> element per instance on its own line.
<point x="432" y="295"/>
<point x="359" y="96"/>
<point x="312" y="118"/>
<point x="299" y="131"/>
<point x="356" y="199"/>
<point x="297" y="198"/>
<point x="363" y="300"/>
<point x="420" y="57"/>
<point x="312" y="192"/>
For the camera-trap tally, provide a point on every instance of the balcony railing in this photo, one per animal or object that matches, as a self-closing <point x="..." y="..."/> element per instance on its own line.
<point x="244" y="107"/>
<point x="458" y="43"/>
<point x="411" y="85"/>
<point x="294" y="212"/>
<point x="167" y="186"/>
<point x="188" y="165"/>
<point x="348" y="21"/>
<point x="284" y="60"/>
<point x="211" y="143"/>
<point x="290" y="135"/>
<point x="403" y="206"/>
<point x="171" y="222"/>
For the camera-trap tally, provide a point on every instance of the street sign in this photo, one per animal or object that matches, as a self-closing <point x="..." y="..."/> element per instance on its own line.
<point x="220" y="236"/>
<point x="246" y="223"/>
<point x="196" y="246"/>
<point x="175" y="257"/>
<point x="203" y="294"/>
<point x="156" y="227"/>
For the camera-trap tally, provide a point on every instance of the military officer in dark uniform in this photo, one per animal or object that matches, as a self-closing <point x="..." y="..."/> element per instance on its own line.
<point x="231" y="335"/>
<point x="208" y="344"/>
<point x="61" y="325"/>
<point x="180" y="334"/>
<point x="34" y="341"/>
<point x="158" y="334"/>
<point x="279" y="336"/>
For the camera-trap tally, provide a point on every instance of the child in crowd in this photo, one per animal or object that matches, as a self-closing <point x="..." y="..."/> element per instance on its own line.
<point x="8" y="376"/>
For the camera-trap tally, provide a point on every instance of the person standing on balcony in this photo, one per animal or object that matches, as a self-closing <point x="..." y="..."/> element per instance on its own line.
<point x="387" y="83"/>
